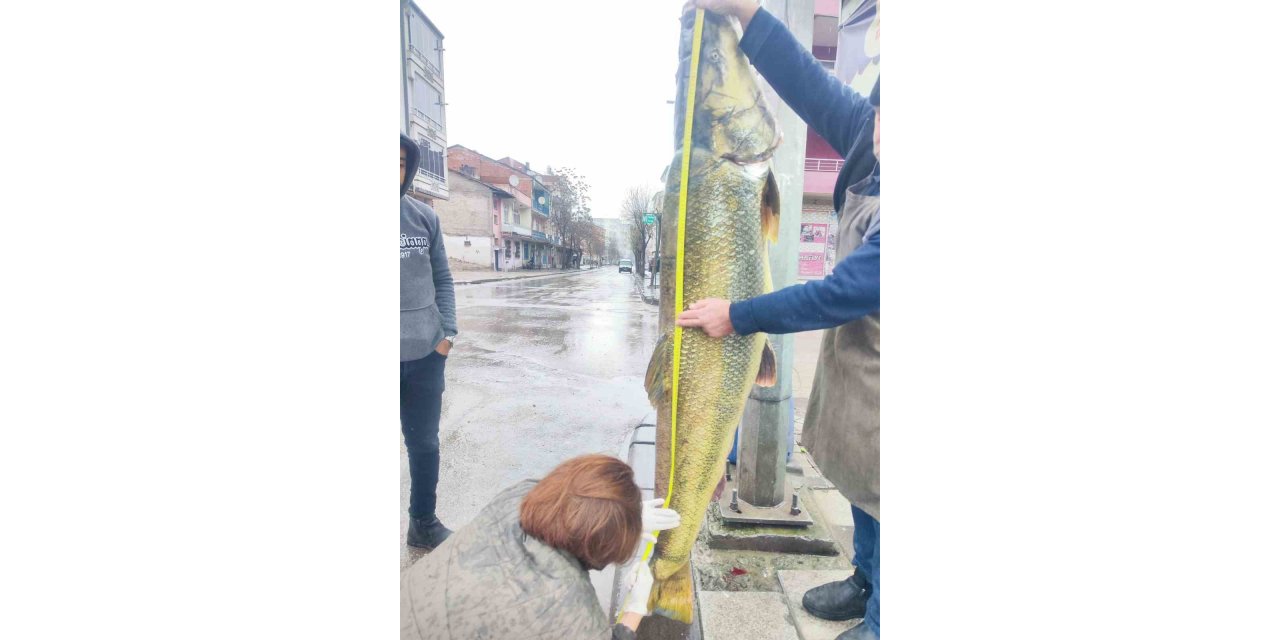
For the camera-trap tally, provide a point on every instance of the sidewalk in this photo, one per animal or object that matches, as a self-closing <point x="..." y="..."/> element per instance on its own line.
<point x="650" y="294"/>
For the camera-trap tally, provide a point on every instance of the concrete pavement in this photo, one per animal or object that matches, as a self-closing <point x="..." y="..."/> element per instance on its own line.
<point x="545" y="368"/>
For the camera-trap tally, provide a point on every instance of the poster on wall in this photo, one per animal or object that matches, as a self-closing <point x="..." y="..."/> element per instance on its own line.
<point x="813" y="249"/>
<point x="812" y="265"/>
<point x="811" y="233"/>
<point x="831" y="249"/>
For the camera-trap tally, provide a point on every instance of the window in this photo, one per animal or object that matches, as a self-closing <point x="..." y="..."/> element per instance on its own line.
<point x="426" y="99"/>
<point x="425" y="40"/>
<point x="432" y="159"/>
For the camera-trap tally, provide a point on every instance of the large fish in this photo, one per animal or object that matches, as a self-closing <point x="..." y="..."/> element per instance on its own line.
<point x="732" y="207"/>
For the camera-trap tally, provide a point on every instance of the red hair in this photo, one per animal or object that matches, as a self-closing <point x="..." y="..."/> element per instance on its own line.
<point x="588" y="506"/>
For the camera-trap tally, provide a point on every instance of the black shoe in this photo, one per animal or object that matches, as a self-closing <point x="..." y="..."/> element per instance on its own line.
<point x="426" y="533"/>
<point x="844" y="600"/>
<point x="859" y="631"/>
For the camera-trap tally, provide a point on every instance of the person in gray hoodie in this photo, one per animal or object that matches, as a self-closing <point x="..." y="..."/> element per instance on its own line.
<point x="428" y="325"/>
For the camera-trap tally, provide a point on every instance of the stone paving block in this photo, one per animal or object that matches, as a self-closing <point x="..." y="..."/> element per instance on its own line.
<point x="831" y="508"/>
<point x="794" y="584"/>
<point x="734" y="615"/>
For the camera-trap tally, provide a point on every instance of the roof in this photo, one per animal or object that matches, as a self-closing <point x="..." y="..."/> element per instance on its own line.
<point x="492" y="188"/>
<point x="519" y="169"/>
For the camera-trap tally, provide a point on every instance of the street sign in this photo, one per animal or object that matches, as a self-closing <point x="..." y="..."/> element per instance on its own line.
<point x="649" y="218"/>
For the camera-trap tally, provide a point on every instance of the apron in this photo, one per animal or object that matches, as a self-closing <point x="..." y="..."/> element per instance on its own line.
<point x="842" y="423"/>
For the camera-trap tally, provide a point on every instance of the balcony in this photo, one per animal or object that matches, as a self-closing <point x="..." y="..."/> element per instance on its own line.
<point x="517" y="230"/>
<point x="823" y="165"/>
<point x="820" y="175"/>
<point x="428" y="62"/>
<point x="434" y="129"/>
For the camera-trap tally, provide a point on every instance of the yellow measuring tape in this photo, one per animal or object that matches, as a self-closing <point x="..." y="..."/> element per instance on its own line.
<point x="686" y="152"/>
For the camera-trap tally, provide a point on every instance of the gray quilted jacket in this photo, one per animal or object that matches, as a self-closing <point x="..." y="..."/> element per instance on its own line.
<point x="492" y="581"/>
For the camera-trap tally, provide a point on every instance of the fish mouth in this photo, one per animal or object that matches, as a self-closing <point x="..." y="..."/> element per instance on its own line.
<point x="758" y="158"/>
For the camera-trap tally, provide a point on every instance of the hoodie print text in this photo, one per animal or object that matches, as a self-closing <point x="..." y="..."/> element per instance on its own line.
<point x="408" y="244"/>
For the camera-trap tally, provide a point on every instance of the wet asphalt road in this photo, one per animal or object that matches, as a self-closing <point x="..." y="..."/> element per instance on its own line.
<point x="544" y="369"/>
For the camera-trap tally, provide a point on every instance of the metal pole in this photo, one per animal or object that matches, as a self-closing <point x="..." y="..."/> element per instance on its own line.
<point x="763" y="438"/>
<point x="657" y="251"/>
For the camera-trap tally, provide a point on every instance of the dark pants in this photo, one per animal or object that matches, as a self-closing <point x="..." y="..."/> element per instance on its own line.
<point x="866" y="556"/>
<point x="421" y="390"/>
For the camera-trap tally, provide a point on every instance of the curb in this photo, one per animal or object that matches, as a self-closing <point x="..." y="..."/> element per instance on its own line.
<point x="641" y="290"/>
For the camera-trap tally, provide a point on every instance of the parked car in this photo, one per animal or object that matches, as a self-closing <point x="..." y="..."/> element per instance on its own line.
<point x="624" y="266"/>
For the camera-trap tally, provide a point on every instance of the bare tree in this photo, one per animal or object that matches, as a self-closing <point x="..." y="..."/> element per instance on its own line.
<point x="570" y="210"/>
<point x="637" y="202"/>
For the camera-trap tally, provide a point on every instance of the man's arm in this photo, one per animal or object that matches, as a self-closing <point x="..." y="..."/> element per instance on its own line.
<point x="443" y="279"/>
<point x="825" y="103"/>
<point x="850" y="292"/>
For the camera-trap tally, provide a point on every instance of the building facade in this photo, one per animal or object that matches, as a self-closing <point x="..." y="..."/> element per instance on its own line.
<point x="422" y="115"/>
<point x="522" y="235"/>
<point x="470" y="219"/>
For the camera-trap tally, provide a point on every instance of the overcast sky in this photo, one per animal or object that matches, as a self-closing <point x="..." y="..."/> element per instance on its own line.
<point x="578" y="83"/>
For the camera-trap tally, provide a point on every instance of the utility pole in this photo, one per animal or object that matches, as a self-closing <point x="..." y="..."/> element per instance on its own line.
<point x="657" y="250"/>
<point x="767" y="420"/>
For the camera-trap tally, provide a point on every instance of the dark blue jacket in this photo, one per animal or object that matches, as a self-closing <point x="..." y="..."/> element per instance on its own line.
<point x="846" y="120"/>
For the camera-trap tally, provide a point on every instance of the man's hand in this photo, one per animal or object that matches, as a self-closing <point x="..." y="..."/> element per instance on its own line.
<point x="444" y="347"/>
<point x="710" y="315"/>
<point x="743" y="10"/>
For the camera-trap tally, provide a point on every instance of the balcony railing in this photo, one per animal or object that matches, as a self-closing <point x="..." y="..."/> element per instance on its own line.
<point x="823" y="165"/>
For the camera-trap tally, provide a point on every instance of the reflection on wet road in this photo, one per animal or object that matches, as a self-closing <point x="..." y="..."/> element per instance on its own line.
<point x="544" y="369"/>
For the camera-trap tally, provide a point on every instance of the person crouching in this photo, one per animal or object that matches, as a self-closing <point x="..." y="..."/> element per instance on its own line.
<point x="519" y="570"/>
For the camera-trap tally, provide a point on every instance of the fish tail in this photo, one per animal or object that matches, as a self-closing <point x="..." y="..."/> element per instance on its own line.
<point x="672" y="596"/>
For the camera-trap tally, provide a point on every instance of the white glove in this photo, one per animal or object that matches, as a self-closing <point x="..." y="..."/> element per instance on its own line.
<point x="637" y="600"/>
<point x="654" y="518"/>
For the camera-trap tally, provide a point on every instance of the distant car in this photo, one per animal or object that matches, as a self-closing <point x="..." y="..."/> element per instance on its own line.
<point x="624" y="266"/>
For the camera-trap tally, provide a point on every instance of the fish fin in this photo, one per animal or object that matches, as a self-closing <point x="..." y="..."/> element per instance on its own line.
<point x="655" y="378"/>
<point x="768" y="375"/>
<point x="771" y="208"/>
<point x="672" y="597"/>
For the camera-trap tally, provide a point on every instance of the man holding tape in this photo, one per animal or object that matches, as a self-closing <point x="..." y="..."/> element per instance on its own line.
<point x="842" y="424"/>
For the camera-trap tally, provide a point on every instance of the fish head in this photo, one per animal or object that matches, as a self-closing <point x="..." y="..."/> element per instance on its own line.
<point x="731" y="117"/>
